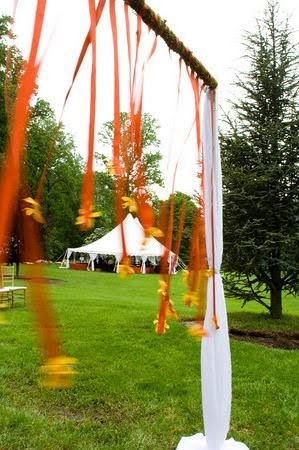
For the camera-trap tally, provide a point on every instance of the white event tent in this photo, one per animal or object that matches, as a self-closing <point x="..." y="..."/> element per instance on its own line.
<point x="111" y="244"/>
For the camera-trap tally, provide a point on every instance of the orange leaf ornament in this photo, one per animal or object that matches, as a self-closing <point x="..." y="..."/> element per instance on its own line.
<point x="153" y="232"/>
<point x="58" y="372"/>
<point x="163" y="289"/>
<point x="33" y="210"/>
<point x="161" y="326"/>
<point x="86" y="218"/>
<point x="125" y="269"/>
<point x="190" y="298"/>
<point x="130" y="203"/>
<point x="198" y="330"/>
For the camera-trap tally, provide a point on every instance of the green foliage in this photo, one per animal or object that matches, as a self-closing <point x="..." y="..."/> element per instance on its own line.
<point x="105" y="181"/>
<point x="150" y="128"/>
<point x="134" y="389"/>
<point x="150" y="158"/>
<point x="61" y="193"/>
<point x="260" y="169"/>
<point x="178" y="199"/>
<point x="8" y="78"/>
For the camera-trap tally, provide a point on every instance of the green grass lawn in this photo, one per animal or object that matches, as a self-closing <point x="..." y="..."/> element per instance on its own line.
<point x="135" y="390"/>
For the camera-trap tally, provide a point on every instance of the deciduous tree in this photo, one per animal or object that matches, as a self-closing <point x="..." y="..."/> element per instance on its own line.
<point x="61" y="192"/>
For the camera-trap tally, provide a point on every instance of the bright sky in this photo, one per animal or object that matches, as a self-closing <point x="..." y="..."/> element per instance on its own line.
<point x="213" y="30"/>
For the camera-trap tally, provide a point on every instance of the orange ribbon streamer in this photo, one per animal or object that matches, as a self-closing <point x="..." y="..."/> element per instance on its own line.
<point x="10" y="176"/>
<point x="9" y="188"/>
<point x="86" y="43"/>
<point x="87" y="190"/>
<point x="212" y="181"/>
<point x="116" y="123"/>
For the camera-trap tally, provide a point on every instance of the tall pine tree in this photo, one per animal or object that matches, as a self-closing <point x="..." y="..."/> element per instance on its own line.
<point x="260" y="169"/>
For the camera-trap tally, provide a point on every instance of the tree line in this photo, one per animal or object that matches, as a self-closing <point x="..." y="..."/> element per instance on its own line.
<point x="62" y="187"/>
<point x="259" y="142"/>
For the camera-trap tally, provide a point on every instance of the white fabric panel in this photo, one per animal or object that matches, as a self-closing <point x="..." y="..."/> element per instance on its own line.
<point x="92" y="257"/>
<point x="118" y="258"/>
<point x="216" y="370"/>
<point x="143" y="268"/>
<point x="215" y="350"/>
<point x="198" y="442"/>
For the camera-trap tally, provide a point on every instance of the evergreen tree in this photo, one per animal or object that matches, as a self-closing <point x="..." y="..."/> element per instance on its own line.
<point x="260" y="169"/>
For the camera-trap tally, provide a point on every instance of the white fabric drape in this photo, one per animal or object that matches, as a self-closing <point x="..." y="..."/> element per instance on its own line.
<point x="215" y="349"/>
<point x="92" y="257"/>
<point x="68" y="255"/>
<point x="143" y="267"/>
<point x="117" y="261"/>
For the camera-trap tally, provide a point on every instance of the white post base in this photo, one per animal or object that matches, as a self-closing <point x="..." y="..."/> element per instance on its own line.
<point x="198" y="442"/>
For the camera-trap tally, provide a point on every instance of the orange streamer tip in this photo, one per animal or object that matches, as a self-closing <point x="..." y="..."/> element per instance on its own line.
<point x="153" y="232"/>
<point x="190" y="298"/>
<point x="130" y="203"/>
<point x="86" y="219"/>
<point x="163" y="289"/>
<point x="125" y="268"/>
<point x="33" y="210"/>
<point x="110" y="168"/>
<point x="198" y="331"/>
<point x="161" y="326"/>
<point x="214" y="322"/>
<point x="58" y="372"/>
<point x="171" y="312"/>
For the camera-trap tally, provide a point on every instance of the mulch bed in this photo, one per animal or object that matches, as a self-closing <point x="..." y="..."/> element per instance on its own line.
<point x="286" y="341"/>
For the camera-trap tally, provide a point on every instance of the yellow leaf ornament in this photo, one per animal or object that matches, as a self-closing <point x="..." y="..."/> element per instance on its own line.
<point x="33" y="210"/>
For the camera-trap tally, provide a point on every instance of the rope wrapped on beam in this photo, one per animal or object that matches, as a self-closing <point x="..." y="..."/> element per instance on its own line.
<point x="158" y="25"/>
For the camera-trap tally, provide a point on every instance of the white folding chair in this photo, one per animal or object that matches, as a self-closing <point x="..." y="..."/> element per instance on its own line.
<point x="8" y="287"/>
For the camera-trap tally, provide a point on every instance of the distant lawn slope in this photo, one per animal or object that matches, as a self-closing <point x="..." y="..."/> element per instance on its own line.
<point x="135" y="390"/>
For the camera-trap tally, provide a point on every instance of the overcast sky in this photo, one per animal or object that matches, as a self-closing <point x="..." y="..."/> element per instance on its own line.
<point x="213" y="30"/>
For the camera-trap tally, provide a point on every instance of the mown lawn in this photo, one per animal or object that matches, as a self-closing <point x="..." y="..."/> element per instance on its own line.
<point x="134" y="389"/>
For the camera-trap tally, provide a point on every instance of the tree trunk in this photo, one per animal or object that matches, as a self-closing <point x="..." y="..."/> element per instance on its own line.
<point x="276" y="289"/>
<point x="276" y="303"/>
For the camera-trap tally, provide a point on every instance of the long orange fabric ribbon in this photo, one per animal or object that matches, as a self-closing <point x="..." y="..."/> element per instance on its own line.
<point x="212" y="181"/>
<point x="57" y="375"/>
<point x="87" y="189"/>
<point x="118" y="170"/>
<point x="116" y="123"/>
<point x="198" y="275"/>
<point x="85" y="45"/>
<point x="10" y="176"/>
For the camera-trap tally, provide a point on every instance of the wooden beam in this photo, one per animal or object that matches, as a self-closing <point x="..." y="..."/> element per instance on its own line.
<point x="159" y="26"/>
